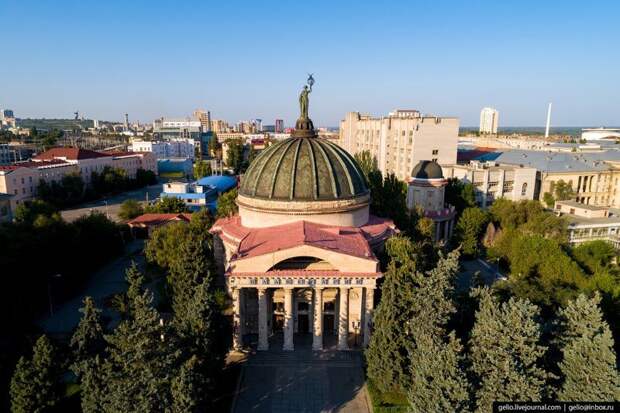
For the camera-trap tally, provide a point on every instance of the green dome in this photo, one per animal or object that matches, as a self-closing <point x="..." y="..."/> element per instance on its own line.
<point x="427" y="170"/>
<point x="303" y="169"/>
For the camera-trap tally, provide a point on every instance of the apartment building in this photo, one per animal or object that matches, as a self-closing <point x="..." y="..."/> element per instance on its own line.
<point x="173" y="148"/>
<point x="402" y="139"/>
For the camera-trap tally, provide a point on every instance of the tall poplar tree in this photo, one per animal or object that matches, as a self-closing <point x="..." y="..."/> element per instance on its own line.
<point x="187" y="391"/>
<point x="588" y="366"/>
<point x="506" y="353"/>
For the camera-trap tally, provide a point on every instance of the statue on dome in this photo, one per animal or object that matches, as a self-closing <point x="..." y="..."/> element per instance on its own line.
<point x="304" y="98"/>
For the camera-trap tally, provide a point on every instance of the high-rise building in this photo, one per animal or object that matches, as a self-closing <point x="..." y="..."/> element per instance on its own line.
<point x="489" y="121"/>
<point x="204" y="117"/>
<point x="402" y="139"/>
<point x="279" y="126"/>
<point x="258" y="125"/>
<point x="219" y="126"/>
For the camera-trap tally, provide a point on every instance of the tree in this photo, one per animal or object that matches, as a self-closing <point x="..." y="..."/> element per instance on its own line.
<point x="588" y="366"/>
<point x="130" y="209"/>
<point x="563" y="191"/>
<point x="167" y="205"/>
<point x="234" y="155"/>
<point x="549" y="199"/>
<point x="460" y="194"/>
<point x="187" y="392"/>
<point x="469" y="229"/>
<point x="215" y="147"/>
<point x="142" y="355"/>
<point x="201" y="169"/>
<point x="505" y="352"/>
<point x="28" y="212"/>
<point x="164" y="246"/>
<point x="366" y="162"/>
<point x="34" y="387"/>
<point x="227" y="205"/>
<point x="87" y="340"/>
<point x="438" y="381"/>
<point x="594" y="256"/>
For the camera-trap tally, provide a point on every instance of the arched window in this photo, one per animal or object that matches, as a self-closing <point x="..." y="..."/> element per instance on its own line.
<point x="302" y="263"/>
<point x="524" y="189"/>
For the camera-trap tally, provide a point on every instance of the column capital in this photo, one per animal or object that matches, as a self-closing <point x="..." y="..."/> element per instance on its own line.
<point x="345" y="287"/>
<point x="261" y="289"/>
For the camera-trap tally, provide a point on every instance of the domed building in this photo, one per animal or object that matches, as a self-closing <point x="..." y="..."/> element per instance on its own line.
<point x="426" y="189"/>
<point x="300" y="257"/>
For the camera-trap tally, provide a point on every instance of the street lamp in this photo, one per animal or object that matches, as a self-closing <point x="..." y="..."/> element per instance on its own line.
<point x="356" y="327"/>
<point x="49" y="291"/>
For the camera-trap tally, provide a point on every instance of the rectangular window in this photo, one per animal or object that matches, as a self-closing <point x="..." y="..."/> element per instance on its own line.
<point x="435" y="151"/>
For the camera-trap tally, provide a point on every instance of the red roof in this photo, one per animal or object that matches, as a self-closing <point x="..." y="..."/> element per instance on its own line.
<point x="70" y="153"/>
<point x="159" y="219"/>
<point x="8" y="167"/>
<point x="346" y="240"/>
<point x="302" y="273"/>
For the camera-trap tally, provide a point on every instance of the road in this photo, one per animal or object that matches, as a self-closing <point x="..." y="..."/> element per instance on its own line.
<point x="109" y="280"/>
<point x="111" y="205"/>
<point x="488" y="272"/>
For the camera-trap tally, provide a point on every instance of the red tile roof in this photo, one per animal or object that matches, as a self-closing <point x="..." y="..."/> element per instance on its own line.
<point x="353" y="241"/>
<point x="8" y="167"/>
<point x="70" y="153"/>
<point x="158" y="219"/>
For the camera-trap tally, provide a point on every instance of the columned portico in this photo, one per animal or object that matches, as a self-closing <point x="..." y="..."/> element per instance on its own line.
<point x="343" y="319"/>
<point x="368" y="312"/>
<point x="288" y="320"/>
<point x="317" y="337"/>
<point x="263" y="333"/>
<point x="237" y="321"/>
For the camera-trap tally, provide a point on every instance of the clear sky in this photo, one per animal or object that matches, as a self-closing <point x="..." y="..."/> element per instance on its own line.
<point x="249" y="59"/>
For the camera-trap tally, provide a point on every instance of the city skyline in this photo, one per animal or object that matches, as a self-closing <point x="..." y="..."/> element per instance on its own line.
<point x="239" y="65"/>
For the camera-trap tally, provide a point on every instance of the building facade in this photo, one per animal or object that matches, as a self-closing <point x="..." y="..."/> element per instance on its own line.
<point x="400" y="140"/>
<point x="589" y="223"/>
<point x="173" y="148"/>
<point x="489" y="121"/>
<point x="300" y="256"/>
<point x="492" y="181"/>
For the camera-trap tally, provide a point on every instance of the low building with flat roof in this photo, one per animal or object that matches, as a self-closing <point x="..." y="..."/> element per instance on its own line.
<point x="590" y="223"/>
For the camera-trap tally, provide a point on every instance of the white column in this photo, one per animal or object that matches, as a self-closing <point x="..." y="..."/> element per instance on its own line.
<point x="288" y="320"/>
<point x="446" y="230"/>
<point x="237" y="336"/>
<point x="368" y="310"/>
<point x="343" y="319"/>
<point x="263" y="335"/>
<point x="317" y="336"/>
<point x="437" y="231"/>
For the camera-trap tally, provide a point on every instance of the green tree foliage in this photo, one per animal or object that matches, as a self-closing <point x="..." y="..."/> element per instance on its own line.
<point x="130" y="209"/>
<point x="366" y="162"/>
<point x="215" y="147"/>
<point x="34" y="387"/>
<point x="469" y="230"/>
<point x="28" y="212"/>
<point x="563" y="191"/>
<point x="187" y="391"/>
<point x="227" y="205"/>
<point x="438" y="381"/>
<point x="167" y="205"/>
<point x="412" y="304"/>
<point x="142" y="354"/>
<point x="87" y="340"/>
<point x="588" y="366"/>
<point x="201" y="169"/>
<point x="144" y="177"/>
<point x="110" y="180"/>
<point x="461" y="195"/>
<point x="235" y="155"/>
<point x="7" y="136"/>
<point x="68" y="191"/>
<point x="595" y="256"/>
<point x="506" y="352"/>
<point x="164" y="246"/>
<point x="528" y="217"/>
<point x="549" y="199"/>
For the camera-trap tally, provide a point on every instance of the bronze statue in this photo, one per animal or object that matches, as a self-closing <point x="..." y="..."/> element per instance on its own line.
<point x="304" y="99"/>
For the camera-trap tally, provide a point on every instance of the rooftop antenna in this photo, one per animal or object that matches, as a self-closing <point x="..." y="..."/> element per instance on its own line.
<point x="548" y="121"/>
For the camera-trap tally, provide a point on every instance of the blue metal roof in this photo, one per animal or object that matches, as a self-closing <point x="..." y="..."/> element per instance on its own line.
<point x="221" y="183"/>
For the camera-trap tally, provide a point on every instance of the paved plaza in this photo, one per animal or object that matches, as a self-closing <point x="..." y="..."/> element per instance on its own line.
<point x="303" y="380"/>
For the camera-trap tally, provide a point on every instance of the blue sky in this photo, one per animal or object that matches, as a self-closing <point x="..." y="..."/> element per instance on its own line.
<point x="249" y="59"/>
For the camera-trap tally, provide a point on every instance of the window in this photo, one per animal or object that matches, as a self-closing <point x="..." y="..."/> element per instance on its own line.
<point x="435" y="151"/>
<point x="524" y="189"/>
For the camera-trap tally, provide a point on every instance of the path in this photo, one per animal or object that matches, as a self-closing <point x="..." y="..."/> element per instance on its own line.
<point x="302" y="381"/>
<point x="111" y="205"/>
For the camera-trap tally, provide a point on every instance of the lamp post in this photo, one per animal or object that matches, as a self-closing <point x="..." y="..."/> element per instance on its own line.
<point x="49" y="292"/>
<point x="356" y="327"/>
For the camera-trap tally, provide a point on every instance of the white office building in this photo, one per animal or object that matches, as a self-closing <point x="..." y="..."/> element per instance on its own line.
<point x="489" y="121"/>
<point x="173" y="148"/>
